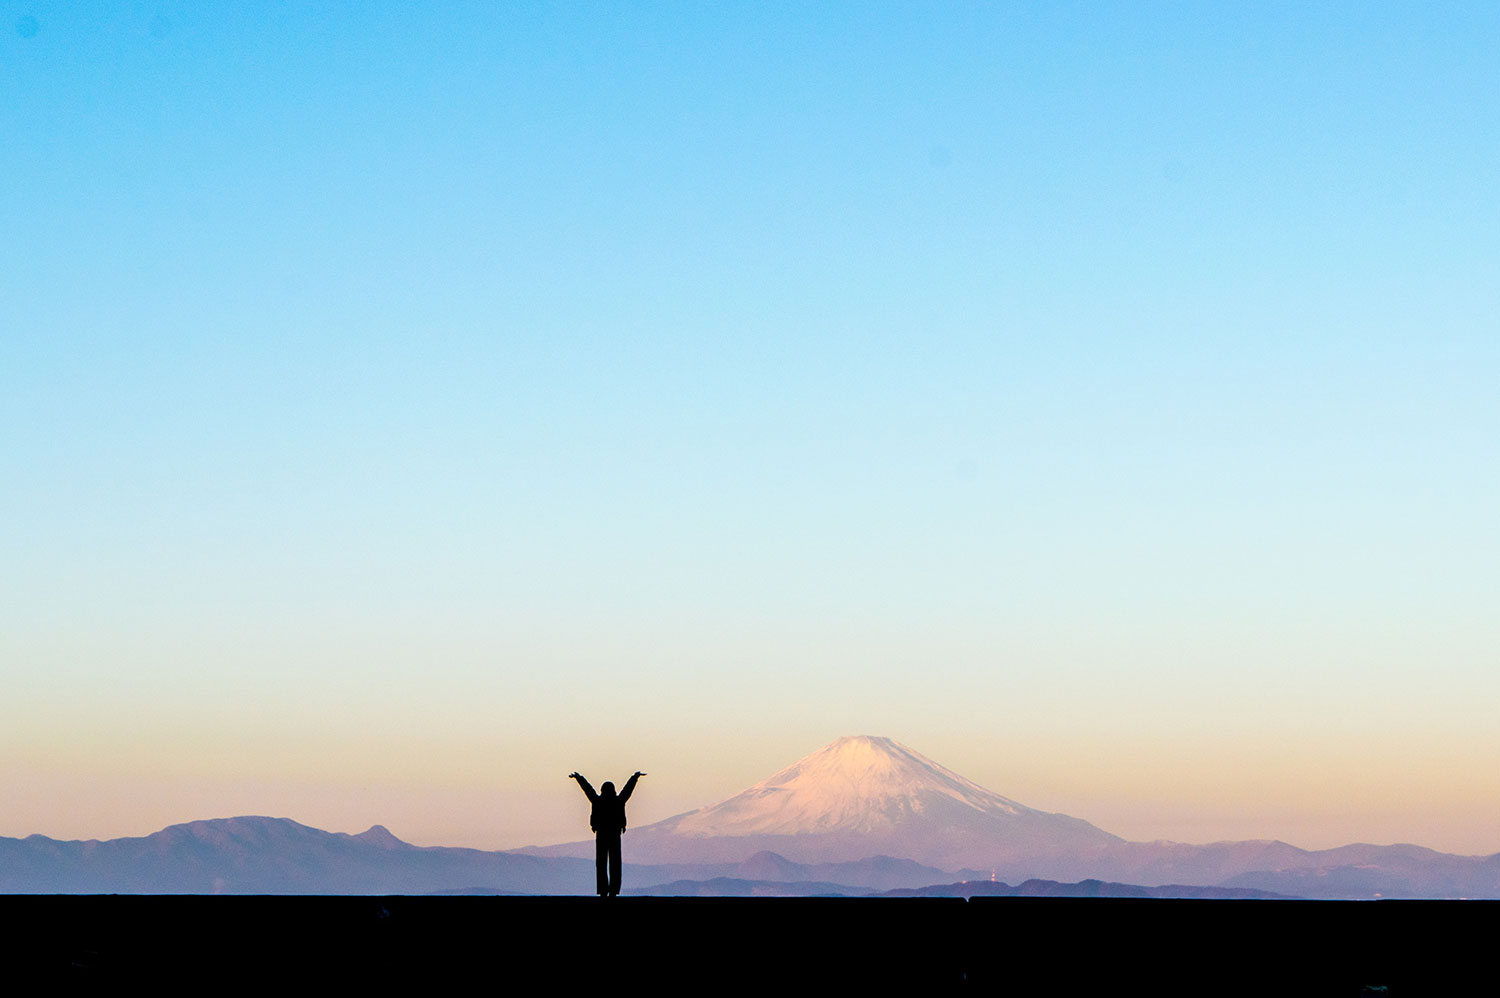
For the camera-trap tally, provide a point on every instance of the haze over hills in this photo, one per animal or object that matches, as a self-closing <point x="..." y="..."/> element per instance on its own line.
<point x="259" y="855"/>
<point x="862" y="796"/>
<point x="860" y="815"/>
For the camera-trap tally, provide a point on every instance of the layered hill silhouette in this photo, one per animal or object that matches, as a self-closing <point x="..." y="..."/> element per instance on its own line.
<point x="861" y="815"/>
<point x="863" y="795"/>
<point x="259" y="855"/>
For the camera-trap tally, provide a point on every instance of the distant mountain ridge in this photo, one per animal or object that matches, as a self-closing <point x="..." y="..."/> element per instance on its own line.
<point x="260" y="855"/>
<point x="1084" y="889"/>
<point x="861" y="815"/>
<point x="863" y="795"/>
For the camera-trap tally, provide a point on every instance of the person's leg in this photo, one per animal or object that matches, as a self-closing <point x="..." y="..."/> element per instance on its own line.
<point x="614" y="866"/>
<point x="601" y="863"/>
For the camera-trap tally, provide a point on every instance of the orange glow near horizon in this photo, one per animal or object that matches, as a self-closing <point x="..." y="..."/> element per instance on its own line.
<point x="1138" y="791"/>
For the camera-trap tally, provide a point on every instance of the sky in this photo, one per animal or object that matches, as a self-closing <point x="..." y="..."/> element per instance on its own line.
<point x="402" y="407"/>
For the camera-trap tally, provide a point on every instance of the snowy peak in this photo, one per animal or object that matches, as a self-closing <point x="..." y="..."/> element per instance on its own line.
<point x="858" y="783"/>
<point x="860" y="797"/>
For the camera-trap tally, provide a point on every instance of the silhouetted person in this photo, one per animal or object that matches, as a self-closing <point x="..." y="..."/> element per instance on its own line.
<point x="608" y="822"/>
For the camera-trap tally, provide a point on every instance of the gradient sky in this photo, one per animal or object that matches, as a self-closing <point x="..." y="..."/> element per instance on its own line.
<point x="402" y="406"/>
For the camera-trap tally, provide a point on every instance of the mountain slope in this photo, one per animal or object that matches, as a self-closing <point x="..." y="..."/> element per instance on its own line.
<point x="856" y="784"/>
<point x="860" y="813"/>
<point x="258" y="855"/>
<point x="863" y="796"/>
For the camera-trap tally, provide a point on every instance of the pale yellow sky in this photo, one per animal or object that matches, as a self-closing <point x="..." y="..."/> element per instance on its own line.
<point x="1316" y="793"/>
<point x="396" y="416"/>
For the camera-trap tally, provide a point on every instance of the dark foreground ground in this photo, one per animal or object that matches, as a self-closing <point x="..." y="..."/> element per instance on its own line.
<point x="995" y="945"/>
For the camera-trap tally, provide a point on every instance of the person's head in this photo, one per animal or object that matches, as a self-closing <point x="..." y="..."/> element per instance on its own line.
<point x="608" y="790"/>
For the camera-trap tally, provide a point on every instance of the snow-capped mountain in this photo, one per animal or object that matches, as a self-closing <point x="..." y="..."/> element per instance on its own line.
<point x="862" y="814"/>
<point x="858" y="783"/>
<point x="865" y="796"/>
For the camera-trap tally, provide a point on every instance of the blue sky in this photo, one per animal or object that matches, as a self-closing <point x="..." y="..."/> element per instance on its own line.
<point x="406" y="407"/>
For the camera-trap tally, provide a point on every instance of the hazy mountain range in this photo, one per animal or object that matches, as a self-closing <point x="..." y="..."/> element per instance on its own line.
<point x="862" y="815"/>
<point x="862" y="796"/>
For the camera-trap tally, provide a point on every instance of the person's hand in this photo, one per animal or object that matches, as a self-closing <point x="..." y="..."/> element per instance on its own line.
<point x="639" y="773"/>
<point x="572" y="776"/>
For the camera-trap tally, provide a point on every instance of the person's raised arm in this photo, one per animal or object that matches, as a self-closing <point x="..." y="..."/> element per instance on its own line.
<point x="583" y="785"/>
<point x="630" y="786"/>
